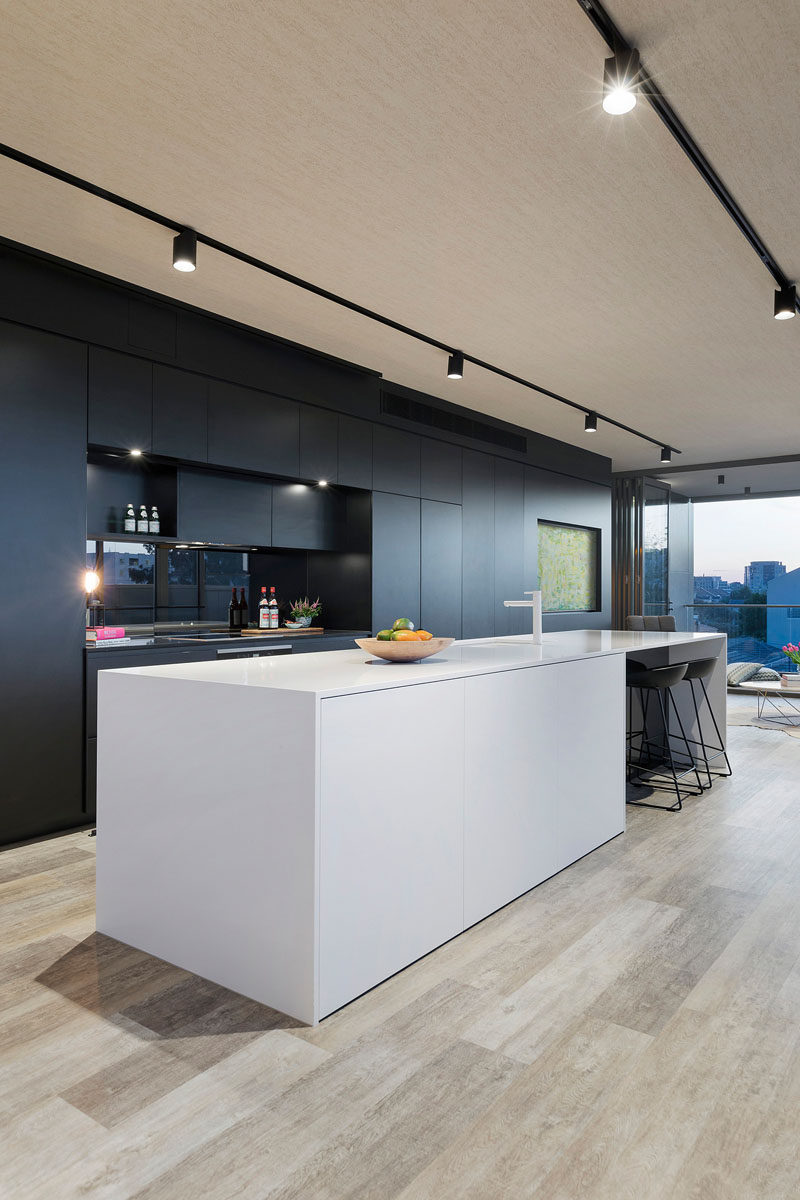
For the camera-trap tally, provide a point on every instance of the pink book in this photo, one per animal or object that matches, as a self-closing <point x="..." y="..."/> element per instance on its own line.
<point x="106" y="632"/>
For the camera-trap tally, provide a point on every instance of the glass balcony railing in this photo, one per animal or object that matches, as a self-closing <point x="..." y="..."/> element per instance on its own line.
<point x="756" y="632"/>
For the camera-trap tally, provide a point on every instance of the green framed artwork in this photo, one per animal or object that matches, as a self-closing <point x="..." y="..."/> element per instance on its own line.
<point x="569" y="567"/>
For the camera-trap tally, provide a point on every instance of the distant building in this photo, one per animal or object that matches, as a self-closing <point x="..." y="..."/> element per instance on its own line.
<point x="710" y="588"/>
<point x="758" y="574"/>
<point x="783" y="624"/>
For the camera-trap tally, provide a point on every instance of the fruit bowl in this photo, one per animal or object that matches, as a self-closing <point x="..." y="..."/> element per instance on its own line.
<point x="403" y="651"/>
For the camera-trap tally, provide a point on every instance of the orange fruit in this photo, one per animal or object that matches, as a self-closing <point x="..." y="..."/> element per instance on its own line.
<point x="404" y="635"/>
<point x="423" y="635"/>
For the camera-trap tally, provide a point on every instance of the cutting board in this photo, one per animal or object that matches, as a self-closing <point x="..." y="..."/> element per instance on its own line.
<point x="283" y="629"/>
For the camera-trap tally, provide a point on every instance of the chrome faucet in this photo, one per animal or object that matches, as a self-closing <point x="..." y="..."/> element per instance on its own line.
<point x="535" y="605"/>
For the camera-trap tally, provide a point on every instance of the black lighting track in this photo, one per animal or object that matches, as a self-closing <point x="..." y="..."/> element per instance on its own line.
<point x="149" y="214"/>
<point x="649" y="89"/>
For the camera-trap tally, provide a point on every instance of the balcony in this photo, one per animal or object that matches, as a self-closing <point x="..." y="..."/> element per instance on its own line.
<point x="756" y="632"/>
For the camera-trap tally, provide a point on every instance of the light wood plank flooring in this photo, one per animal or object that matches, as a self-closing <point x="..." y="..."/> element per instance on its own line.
<point x="631" y="1028"/>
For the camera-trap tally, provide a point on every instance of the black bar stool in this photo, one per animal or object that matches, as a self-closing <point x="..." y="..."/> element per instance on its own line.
<point x="658" y="682"/>
<point x="698" y="672"/>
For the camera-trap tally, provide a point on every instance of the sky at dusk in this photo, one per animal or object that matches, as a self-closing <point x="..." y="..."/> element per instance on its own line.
<point x="730" y="534"/>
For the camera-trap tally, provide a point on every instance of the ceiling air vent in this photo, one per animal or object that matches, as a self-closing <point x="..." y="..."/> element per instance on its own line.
<point x="395" y="405"/>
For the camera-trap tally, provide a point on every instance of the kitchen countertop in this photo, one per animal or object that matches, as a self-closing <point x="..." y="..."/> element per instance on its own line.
<point x="167" y="641"/>
<point x="341" y="672"/>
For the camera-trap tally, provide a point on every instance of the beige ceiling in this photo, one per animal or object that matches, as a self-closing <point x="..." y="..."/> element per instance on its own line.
<point x="762" y="479"/>
<point x="447" y="163"/>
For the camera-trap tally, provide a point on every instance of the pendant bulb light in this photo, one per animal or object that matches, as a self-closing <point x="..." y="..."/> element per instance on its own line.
<point x="620" y="81"/>
<point x="666" y="454"/>
<point x="590" y="423"/>
<point x="184" y="250"/>
<point x="455" y="365"/>
<point x="785" y="302"/>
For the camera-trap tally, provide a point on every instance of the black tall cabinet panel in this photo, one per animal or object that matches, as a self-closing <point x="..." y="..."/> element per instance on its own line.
<point x="440" y="590"/>
<point x="355" y="452"/>
<point x="509" y="548"/>
<point x="180" y="414"/>
<point x="319" y="444"/>
<point x="478" y="611"/>
<point x="252" y="430"/>
<point x="120" y="400"/>
<point x="395" y="461"/>
<point x="395" y="559"/>
<point x="43" y="483"/>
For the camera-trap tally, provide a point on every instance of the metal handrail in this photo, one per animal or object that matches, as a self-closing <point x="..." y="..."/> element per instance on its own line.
<point x="723" y="604"/>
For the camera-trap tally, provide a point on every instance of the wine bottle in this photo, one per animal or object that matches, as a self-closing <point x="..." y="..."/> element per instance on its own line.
<point x="130" y="519"/>
<point x="244" y="614"/>
<point x="155" y="520"/>
<point x="234" y="622"/>
<point x="143" y="524"/>
<point x="274" y="617"/>
<point x="263" y="610"/>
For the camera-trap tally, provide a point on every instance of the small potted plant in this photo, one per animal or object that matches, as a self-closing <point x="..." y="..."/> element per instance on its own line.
<point x="303" y="612"/>
<point x="793" y="654"/>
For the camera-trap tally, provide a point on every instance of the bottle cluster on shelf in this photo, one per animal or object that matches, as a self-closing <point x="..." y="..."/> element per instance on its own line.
<point x="142" y="523"/>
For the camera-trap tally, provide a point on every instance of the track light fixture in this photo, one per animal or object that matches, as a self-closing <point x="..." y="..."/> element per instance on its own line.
<point x="620" y="81"/>
<point x="455" y="365"/>
<point x="590" y="424"/>
<point x="184" y="250"/>
<point x="720" y="479"/>
<point x="785" y="302"/>
<point x="666" y="454"/>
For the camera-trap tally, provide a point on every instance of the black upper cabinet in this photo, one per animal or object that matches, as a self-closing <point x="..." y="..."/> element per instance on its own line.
<point x="253" y="431"/>
<point x="440" y="590"/>
<point x="120" y="400"/>
<point x="355" y="452"/>
<point x="395" y="461"/>
<point x="395" y="559"/>
<point x="308" y="518"/>
<point x="319" y="444"/>
<point x="440" y="471"/>
<point x="217" y="508"/>
<point x="180" y="414"/>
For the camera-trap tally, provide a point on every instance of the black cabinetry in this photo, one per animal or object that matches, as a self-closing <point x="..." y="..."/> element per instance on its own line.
<point x="319" y="444"/>
<point x="355" y="452"/>
<point x="440" y="471"/>
<point x="509" y="547"/>
<point x="307" y="517"/>
<point x="395" y="461"/>
<point x="222" y="508"/>
<point x="395" y="559"/>
<point x="440" y="590"/>
<point x="252" y="430"/>
<point x="120" y="400"/>
<point x="180" y="414"/>
<point x="478" y="545"/>
<point x="43" y="484"/>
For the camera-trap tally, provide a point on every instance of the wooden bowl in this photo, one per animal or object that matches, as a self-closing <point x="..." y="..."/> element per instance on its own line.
<point x="403" y="651"/>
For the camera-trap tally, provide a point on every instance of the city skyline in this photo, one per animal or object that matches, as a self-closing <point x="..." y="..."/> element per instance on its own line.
<point x="729" y="535"/>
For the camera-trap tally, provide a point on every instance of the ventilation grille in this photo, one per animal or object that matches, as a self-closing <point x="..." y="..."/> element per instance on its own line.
<point x="395" y="405"/>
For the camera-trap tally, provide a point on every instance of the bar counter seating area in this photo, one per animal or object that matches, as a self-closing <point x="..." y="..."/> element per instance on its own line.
<point x="393" y="806"/>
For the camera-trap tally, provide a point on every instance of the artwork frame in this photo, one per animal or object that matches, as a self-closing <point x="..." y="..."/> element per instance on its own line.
<point x="569" y="560"/>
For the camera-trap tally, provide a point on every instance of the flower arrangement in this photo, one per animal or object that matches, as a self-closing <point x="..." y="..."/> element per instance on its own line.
<point x="304" y="611"/>
<point x="792" y="653"/>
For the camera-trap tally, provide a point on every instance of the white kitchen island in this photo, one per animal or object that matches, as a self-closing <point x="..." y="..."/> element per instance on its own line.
<point x="299" y="829"/>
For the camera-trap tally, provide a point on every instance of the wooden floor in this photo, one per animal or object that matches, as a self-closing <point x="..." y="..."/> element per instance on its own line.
<point x="630" y="1029"/>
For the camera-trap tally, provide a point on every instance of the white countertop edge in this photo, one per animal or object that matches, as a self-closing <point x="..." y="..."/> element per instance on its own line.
<point x="326" y="674"/>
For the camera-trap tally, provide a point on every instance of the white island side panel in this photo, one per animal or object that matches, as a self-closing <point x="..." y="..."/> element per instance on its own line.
<point x="391" y="833"/>
<point x="206" y="831"/>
